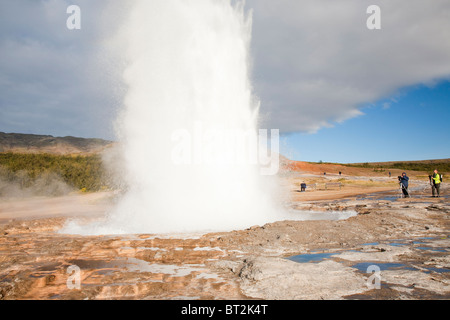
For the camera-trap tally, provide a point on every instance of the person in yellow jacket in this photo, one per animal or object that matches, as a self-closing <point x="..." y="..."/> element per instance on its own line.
<point x="435" y="181"/>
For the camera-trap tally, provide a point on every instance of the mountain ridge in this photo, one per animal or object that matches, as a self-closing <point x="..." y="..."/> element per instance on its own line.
<point x="34" y="143"/>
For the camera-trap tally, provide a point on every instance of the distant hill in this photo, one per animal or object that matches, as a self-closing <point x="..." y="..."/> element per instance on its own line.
<point x="422" y="167"/>
<point x="393" y="163"/>
<point x="31" y="143"/>
<point x="442" y="165"/>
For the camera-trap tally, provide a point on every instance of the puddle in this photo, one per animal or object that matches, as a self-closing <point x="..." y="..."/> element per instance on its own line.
<point x="97" y="264"/>
<point x="104" y="272"/>
<point x="174" y="270"/>
<point x="398" y="244"/>
<point x="378" y="197"/>
<point x="417" y="244"/>
<point x="136" y="265"/>
<point x="49" y="266"/>
<point x="312" y="257"/>
<point x="420" y="244"/>
<point x="438" y="270"/>
<point x="390" y="198"/>
<point x="103" y="266"/>
<point x="364" y="266"/>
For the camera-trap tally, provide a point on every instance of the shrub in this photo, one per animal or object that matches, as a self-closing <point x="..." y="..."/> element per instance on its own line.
<point x="80" y="172"/>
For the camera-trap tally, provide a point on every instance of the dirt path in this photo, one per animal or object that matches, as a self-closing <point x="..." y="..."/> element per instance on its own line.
<point x="74" y="205"/>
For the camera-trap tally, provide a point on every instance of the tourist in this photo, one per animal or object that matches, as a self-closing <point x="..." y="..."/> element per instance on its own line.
<point x="303" y="187"/>
<point x="435" y="181"/>
<point x="404" y="179"/>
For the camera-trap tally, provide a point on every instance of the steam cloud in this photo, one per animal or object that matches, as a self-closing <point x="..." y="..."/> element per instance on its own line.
<point x="188" y="65"/>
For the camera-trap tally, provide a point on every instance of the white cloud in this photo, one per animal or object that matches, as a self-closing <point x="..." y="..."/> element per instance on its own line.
<point x="316" y="63"/>
<point x="54" y="80"/>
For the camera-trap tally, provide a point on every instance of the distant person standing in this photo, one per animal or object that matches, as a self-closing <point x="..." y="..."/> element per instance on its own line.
<point x="303" y="187"/>
<point x="404" y="180"/>
<point x="435" y="181"/>
<point x="389" y="174"/>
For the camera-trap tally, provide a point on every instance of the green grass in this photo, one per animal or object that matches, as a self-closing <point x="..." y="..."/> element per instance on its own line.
<point x="80" y="172"/>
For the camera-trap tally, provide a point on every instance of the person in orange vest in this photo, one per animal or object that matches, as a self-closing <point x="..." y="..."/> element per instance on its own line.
<point x="435" y="181"/>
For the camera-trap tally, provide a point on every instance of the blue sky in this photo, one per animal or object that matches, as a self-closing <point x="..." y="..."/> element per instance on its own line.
<point x="410" y="125"/>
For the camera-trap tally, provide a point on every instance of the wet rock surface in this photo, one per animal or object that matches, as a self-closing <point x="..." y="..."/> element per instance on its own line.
<point x="403" y="242"/>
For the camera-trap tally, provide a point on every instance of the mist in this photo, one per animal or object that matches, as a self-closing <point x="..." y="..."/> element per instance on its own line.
<point x="188" y="67"/>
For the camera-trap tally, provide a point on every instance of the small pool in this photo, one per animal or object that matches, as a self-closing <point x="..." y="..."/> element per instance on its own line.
<point x="312" y="257"/>
<point x="364" y="266"/>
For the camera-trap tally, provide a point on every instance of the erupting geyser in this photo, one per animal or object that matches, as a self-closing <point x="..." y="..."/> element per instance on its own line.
<point x="189" y="122"/>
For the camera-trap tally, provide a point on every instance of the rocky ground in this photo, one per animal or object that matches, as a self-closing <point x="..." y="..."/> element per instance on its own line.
<point x="391" y="249"/>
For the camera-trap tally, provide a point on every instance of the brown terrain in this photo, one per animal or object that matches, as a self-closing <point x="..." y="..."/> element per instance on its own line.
<point x="386" y="248"/>
<point x="30" y="143"/>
